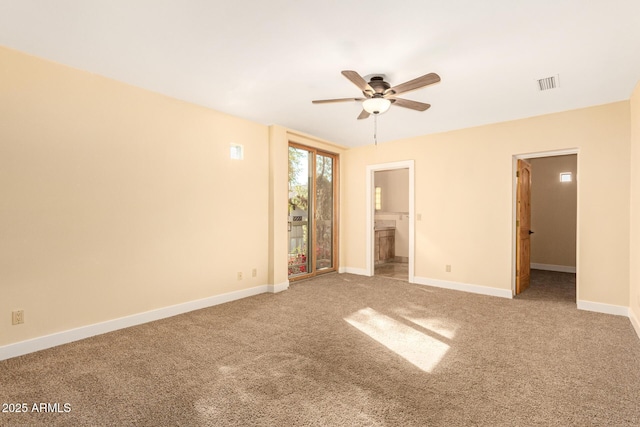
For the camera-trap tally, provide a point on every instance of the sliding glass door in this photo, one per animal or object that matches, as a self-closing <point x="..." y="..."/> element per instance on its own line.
<point x="300" y="182"/>
<point x="312" y="211"/>
<point x="324" y="212"/>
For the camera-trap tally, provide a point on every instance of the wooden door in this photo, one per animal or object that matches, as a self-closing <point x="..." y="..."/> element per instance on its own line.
<point x="523" y="226"/>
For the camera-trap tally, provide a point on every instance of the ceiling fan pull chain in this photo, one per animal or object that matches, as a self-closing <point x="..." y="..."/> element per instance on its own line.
<point x="375" y="129"/>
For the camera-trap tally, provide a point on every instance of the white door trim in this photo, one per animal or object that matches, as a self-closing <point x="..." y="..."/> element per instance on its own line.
<point x="370" y="222"/>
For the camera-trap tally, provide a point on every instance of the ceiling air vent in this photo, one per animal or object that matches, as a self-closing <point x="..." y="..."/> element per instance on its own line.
<point x="548" y="83"/>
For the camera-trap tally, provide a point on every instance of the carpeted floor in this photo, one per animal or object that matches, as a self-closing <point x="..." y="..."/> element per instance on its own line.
<point x="343" y="350"/>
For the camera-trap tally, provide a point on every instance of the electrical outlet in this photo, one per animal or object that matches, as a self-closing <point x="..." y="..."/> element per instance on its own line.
<point x="447" y="268"/>
<point x="17" y="317"/>
<point x="239" y="275"/>
<point x="254" y="272"/>
<point x="419" y="217"/>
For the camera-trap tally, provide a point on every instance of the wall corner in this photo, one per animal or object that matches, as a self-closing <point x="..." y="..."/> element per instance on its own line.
<point x="278" y="196"/>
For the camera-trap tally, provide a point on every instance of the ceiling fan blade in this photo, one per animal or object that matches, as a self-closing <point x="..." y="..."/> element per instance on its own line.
<point x="407" y="103"/>
<point x="414" y="84"/>
<point x="363" y="115"/>
<point x="325" y="101"/>
<point x="357" y="80"/>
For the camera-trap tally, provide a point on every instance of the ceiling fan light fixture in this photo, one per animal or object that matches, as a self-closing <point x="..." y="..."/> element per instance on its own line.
<point x="376" y="105"/>
<point x="377" y="93"/>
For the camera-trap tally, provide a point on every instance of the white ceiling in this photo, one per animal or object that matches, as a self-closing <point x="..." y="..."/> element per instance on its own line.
<point x="266" y="60"/>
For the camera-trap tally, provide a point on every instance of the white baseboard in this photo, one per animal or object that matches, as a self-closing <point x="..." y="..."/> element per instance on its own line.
<point x="634" y="322"/>
<point x="553" y="267"/>
<point x="599" y="307"/>
<point x="352" y="270"/>
<point x="278" y="287"/>
<point x="465" y="287"/>
<point x="64" y="337"/>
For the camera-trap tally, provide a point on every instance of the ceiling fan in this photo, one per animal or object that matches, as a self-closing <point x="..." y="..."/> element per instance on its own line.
<point x="379" y="95"/>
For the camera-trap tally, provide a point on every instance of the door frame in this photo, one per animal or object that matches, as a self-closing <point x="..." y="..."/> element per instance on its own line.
<point x="370" y="209"/>
<point x="312" y="214"/>
<point x="514" y="208"/>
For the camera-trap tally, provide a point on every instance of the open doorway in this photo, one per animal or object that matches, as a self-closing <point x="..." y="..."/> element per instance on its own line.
<point x="390" y="220"/>
<point x="546" y="241"/>
<point x="391" y="223"/>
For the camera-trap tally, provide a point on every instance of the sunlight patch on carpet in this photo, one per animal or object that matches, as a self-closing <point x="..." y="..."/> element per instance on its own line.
<point x="421" y="350"/>
<point x="439" y="326"/>
<point x="442" y="326"/>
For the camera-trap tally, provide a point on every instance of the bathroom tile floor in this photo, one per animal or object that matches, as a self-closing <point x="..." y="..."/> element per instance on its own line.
<point x="393" y="270"/>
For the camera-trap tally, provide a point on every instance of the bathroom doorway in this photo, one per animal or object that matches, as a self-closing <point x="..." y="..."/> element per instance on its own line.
<point x="390" y="220"/>
<point x="391" y="223"/>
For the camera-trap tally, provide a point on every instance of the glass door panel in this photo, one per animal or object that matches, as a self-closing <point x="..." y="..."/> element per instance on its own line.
<point x="300" y="184"/>
<point x="312" y="211"/>
<point x="324" y="212"/>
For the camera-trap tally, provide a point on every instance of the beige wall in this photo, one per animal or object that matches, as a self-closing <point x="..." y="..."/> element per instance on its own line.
<point x="553" y="211"/>
<point x="464" y="194"/>
<point x="635" y="208"/>
<point x="278" y="178"/>
<point x="116" y="200"/>
<point x="395" y="194"/>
